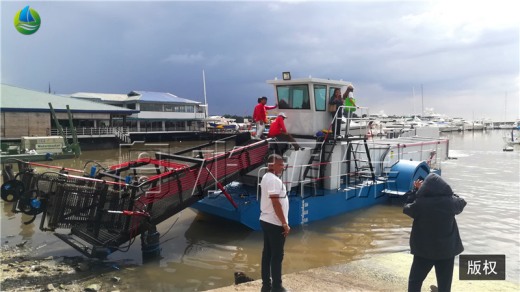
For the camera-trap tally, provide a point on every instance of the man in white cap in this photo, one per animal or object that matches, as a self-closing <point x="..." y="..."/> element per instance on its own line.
<point x="279" y="131"/>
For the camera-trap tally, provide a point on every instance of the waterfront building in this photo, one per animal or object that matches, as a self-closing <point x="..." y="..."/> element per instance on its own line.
<point x="157" y="111"/>
<point x="26" y="113"/>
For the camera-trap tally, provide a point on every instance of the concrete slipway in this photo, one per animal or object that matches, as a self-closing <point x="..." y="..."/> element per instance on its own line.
<point x="387" y="272"/>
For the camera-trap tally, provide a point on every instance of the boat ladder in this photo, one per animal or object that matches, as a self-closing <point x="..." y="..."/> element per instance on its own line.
<point x="315" y="169"/>
<point x="359" y="157"/>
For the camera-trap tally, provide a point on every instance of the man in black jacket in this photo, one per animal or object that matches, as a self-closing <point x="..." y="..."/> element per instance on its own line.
<point x="435" y="238"/>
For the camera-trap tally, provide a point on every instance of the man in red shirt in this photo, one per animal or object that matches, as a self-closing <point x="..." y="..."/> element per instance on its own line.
<point x="278" y="130"/>
<point x="260" y="115"/>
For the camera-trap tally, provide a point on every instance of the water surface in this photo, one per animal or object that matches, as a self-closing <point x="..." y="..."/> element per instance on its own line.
<point x="201" y="252"/>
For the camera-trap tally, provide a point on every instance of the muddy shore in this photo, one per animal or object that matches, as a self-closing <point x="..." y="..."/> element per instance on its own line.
<point x="22" y="272"/>
<point x="384" y="272"/>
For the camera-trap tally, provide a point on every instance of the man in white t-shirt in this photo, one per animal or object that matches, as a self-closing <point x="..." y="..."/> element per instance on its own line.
<point x="274" y="212"/>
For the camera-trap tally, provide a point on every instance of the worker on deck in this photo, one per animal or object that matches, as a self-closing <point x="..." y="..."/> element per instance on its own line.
<point x="278" y="131"/>
<point x="260" y="116"/>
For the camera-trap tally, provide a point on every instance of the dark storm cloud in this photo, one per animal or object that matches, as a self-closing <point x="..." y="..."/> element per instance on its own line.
<point x="386" y="48"/>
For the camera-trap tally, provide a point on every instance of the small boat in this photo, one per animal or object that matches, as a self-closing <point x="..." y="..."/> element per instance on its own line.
<point x="488" y="124"/>
<point x="101" y="208"/>
<point x="222" y="123"/>
<point x="45" y="148"/>
<point x="32" y="157"/>
<point x="512" y="138"/>
<point x="478" y="126"/>
<point x="507" y="126"/>
<point x="473" y="126"/>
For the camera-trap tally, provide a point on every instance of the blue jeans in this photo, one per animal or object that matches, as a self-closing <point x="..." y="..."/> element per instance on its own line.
<point x="422" y="266"/>
<point x="272" y="254"/>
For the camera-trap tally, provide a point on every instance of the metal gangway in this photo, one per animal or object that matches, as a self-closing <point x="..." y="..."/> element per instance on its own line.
<point x="102" y="209"/>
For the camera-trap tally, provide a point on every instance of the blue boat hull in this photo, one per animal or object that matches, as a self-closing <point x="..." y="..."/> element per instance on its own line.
<point x="301" y="210"/>
<point x="326" y="204"/>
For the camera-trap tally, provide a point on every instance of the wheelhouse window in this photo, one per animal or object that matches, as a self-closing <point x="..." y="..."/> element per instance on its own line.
<point x="320" y="97"/>
<point x="293" y="97"/>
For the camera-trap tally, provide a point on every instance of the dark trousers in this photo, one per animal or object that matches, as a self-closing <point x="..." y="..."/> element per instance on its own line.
<point x="272" y="255"/>
<point x="420" y="269"/>
<point x="282" y="137"/>
<point x="336" y="124"/>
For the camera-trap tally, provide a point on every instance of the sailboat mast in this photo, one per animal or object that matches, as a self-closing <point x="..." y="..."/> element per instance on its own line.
<point x="205" y="98"/>
<point x="413" y="99"/>
<point x="505" y="107"/>
<point x="422" y="102"/>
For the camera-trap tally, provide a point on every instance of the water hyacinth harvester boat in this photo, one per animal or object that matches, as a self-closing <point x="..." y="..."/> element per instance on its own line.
<point x="103" y="208"/>
<point x="331" y="175"/>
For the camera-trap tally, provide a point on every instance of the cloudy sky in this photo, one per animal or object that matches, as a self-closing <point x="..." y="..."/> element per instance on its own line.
<point x="464" y="54"/>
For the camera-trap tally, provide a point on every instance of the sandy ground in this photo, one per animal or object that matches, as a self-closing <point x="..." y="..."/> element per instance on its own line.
<point x="387" y="272"/>
<point x="22" y="272"/>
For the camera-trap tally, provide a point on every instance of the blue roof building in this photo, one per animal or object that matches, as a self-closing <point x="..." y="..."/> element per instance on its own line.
<point x="26" y="112"/>
<point x="157" y="111"/>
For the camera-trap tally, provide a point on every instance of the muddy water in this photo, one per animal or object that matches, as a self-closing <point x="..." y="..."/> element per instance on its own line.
<point x="202" y="252"/>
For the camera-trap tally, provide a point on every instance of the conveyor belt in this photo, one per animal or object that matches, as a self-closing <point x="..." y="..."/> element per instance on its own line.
<point x="92" y="208"/>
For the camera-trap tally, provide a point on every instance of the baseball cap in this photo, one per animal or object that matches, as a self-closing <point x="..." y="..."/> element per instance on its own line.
<point x="282" y="114"/>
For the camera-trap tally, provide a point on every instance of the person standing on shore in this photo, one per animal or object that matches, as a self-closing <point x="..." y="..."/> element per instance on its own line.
<point x="435" y="238"/>
<point x="260" y="115"/>
<point x="274" y="212"/>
